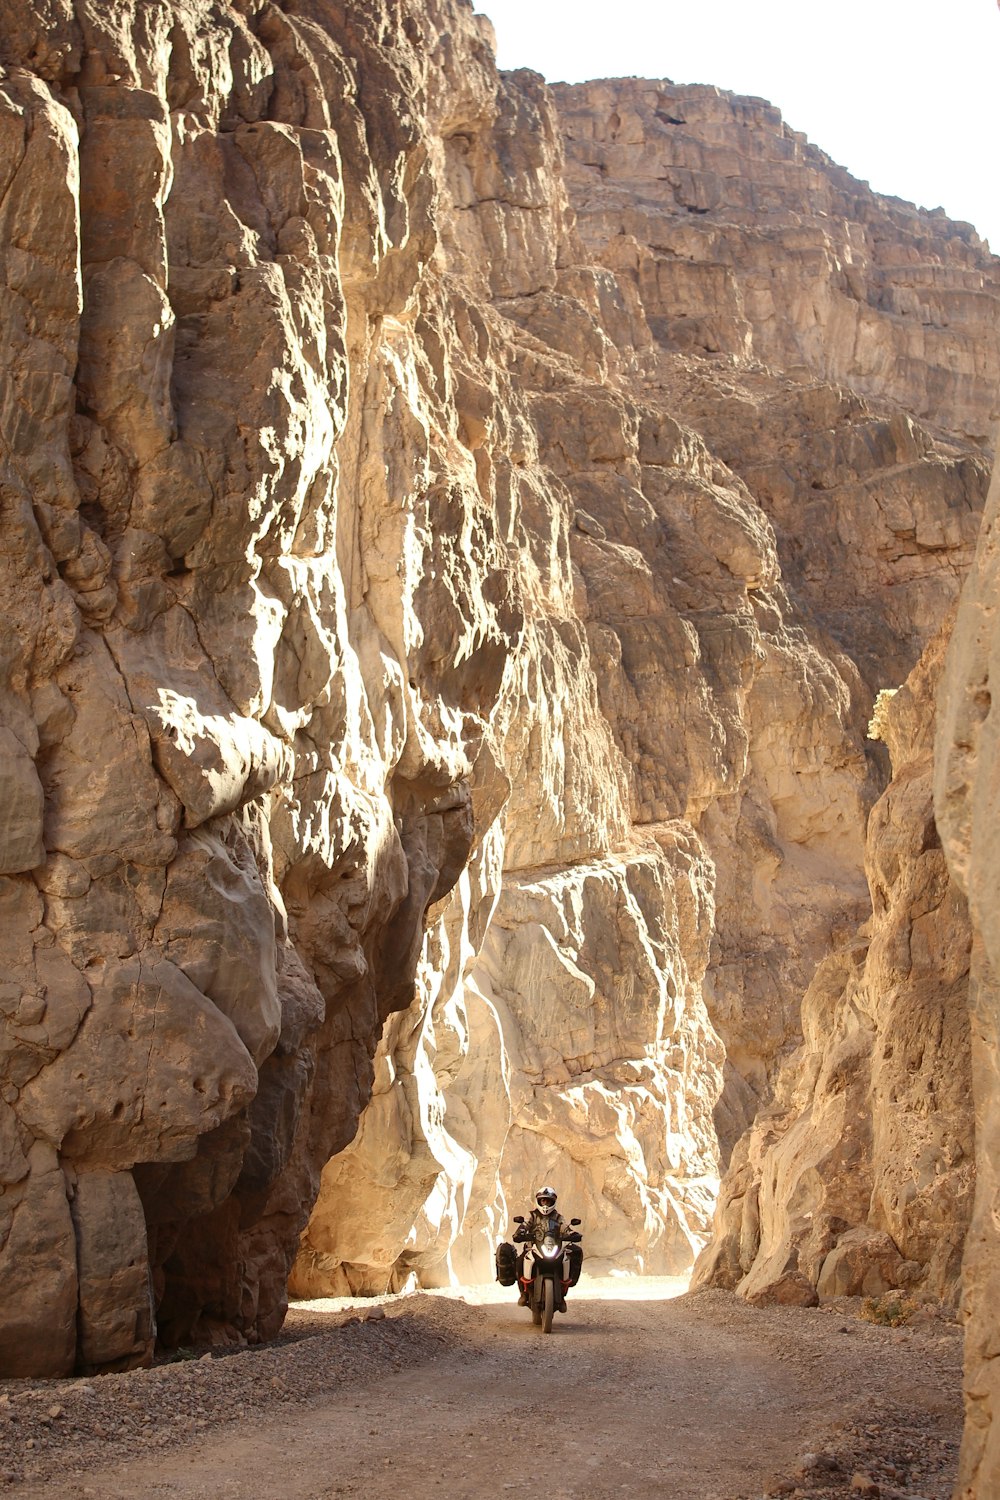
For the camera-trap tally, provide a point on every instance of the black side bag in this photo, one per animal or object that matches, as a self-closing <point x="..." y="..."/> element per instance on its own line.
<point x="506" y="1264"/>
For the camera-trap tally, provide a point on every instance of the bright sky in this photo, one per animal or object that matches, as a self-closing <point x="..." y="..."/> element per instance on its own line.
<point x="901" y="92"/>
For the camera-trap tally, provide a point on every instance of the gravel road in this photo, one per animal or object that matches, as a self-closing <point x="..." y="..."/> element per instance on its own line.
<point x="696" y="1397"/>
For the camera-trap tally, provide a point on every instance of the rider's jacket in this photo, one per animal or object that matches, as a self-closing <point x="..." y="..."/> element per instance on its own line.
<point x="536" y="1224"/>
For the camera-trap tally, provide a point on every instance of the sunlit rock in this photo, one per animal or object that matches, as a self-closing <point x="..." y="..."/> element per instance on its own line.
<point x="454" y="533"/>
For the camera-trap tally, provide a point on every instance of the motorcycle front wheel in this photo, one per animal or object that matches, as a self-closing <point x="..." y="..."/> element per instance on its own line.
<point x="550" y="1305"/>
<point x="536" y="1305"/>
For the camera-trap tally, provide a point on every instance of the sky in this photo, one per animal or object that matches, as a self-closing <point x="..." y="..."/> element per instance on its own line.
<point x="903" y="93"/>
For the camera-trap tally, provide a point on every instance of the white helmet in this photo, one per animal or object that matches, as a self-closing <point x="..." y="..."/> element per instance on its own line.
<point x="545" y="1200"/>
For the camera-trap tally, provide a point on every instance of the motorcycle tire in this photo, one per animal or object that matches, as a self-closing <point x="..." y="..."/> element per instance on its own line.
<point x="550" y="1304"/>
<point x="536" y="1303"/>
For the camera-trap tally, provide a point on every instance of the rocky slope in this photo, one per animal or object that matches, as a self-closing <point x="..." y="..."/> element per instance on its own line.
<point x="448" y="602"/>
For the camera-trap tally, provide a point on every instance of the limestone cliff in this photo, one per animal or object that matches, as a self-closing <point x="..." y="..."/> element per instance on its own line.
<point x="779" y="801"/>
<point x="852" y="523"/>
<point x="968" y="813"/>
<point x="858" y="1177"/>
<point x="745" y="239"/>
<point x="874" y="521"/>
<point x="440" y="653"/>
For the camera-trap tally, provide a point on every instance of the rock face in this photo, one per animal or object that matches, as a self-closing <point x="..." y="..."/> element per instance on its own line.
<point x="746" y="240"/>
<point x="805" y="574"/>
<point x="858" y="1177"/>
<point x="239" y="747"/>
<point x="434" y="720"/>
<point x="968" y="810"/>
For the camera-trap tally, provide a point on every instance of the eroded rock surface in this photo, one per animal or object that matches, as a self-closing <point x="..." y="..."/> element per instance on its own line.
<point x="858" y="1177"/>
<point x="967" y="808"/>
<point x="241" y="732"/>
<point x="439" y="674"/>
<point x="741" y="616"/>
<point x="747" y="240"/>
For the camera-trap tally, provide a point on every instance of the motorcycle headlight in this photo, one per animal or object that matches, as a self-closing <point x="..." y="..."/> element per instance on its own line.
<point x="551" y="1250"/>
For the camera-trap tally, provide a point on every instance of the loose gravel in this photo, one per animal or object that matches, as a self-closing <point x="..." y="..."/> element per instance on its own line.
<point x="807" y="1404"/>
<point x="65" y="1428"/>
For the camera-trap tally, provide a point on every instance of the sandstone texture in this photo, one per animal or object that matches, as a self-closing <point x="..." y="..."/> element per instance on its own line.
<point x="967" y="805"/>
<point x="857" y="1178"/>
<point x="741" y="617"/>
<point x="747" y="240"/>
<point x="447" y="600"/>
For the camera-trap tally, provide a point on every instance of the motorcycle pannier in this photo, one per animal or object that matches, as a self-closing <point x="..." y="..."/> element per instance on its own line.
<point x="506" y="1264"/>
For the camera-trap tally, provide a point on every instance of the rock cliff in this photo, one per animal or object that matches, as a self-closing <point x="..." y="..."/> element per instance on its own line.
<point x="455" y="532"/>
<point x="858" y="1176"/>
<point x="968" y="813"/>
<point x="747" y="240"/>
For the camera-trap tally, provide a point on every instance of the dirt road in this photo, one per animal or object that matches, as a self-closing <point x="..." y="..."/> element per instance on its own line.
<point x="698" y="1398"/>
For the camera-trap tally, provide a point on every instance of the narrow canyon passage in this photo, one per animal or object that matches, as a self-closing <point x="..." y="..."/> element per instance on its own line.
<point x="477" y="711"/>
<point x="696" y="1398"/>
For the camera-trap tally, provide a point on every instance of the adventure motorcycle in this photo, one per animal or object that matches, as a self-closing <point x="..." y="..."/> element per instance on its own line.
<point x="547" y="1267"/>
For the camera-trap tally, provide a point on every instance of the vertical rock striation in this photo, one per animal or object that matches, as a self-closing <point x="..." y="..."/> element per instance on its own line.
<point x="858" y="1177"/>
<point x="242" y="732"/>
<point x="966" y="804"/>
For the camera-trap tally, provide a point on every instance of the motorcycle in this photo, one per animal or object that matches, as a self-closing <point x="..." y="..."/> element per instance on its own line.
<point x="545" y="1270"/>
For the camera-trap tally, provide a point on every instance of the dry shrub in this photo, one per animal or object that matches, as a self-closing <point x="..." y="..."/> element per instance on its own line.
<point x="890" y="1310"/>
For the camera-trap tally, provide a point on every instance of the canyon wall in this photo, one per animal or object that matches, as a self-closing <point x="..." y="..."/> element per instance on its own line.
<point x="747" y="240"/>
<point x="455" y="533"/>
<point x="967" y="806"/>
<point x="858" y="1176"/>
<point x="873" y="523"/>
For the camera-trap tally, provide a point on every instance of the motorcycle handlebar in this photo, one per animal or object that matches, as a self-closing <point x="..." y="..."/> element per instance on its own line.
<point x="571" y="1237"/>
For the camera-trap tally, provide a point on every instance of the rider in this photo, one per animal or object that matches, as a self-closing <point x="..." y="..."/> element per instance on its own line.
<point x="535" y="1225"/>
<point x="544" y="1214"/>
